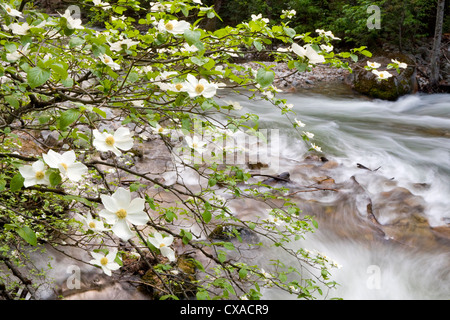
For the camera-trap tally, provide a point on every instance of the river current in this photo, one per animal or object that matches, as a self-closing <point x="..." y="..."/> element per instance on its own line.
<point x="407" y="142"/>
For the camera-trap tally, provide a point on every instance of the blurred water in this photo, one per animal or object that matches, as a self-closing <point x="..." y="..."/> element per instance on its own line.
<point x="409" y="141"/>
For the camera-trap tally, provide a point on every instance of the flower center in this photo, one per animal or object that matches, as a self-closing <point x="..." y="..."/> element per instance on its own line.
<point x="64" y="166"/>
<point x="161" y="129"/>
<point x="39" y="175"/>
<point x="110" y="141"/>
<point x="9" y="10"/>
<point x="104" y="261"/>
<point x="178" y="86"/>
<point x="381" y="75"/>
<point x="162" y="245"/>
<point x="92" y="224"/>
<point x="169" y="26"/>
<point x="199" y="88"/>
<point x="121" y="213"/>
<point x="107" y="60"/>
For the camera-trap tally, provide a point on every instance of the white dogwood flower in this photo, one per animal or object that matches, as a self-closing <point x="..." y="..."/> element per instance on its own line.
<point x="315" y="147"/>
<point x="121" y="139"/>
<point x="12" y="12"/>
<point x="382" y="75"/>
<point x="327" y="34"/>
<point x="374" y="65"/>
<point x="105" y="261"/>
<point x="400" y="64"/>
<point x="308" y="52"/>
<point x="163" y="243"/>
<point x="326" y="48"/>
<point x="308" y="134"/>
<point x="90" y="223"/>
<point x="34" y="174"/>
<point x="109" y="61"/>
<point x="259" y="17"/>
<point x="19" y="29"/>
<point x="103" y="5"/>
<point x="195" y="87"/>
<point x="196" y="144"/>
<point x="66" y="163"/>
<point x="119" y="45"/>
<point x="173" y="26"/>
<point x="119" y="210"/>
<point x="19" y="53"/>
<point x="160" y="130"/>
<point x="71" y="22"/>
<point x="299" y="123"/>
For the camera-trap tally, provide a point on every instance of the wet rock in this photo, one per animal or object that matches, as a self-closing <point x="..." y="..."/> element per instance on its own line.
<point x="365" y="82"/>
<point x="228" y="232"/>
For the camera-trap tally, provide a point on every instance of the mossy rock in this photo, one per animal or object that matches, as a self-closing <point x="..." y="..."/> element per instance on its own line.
<point x="181" y="280"/>
<point x="366" y="82"/>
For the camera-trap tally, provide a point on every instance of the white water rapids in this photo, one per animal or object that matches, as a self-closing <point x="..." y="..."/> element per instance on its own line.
<point x="409" y="141"/>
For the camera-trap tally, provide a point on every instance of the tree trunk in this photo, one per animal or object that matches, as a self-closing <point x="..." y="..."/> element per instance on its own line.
<point x="436" y="54"/>
<point x="211" y="23"/>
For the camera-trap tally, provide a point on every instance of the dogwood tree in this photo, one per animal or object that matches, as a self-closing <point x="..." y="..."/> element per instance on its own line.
<point x="152" y="71"/>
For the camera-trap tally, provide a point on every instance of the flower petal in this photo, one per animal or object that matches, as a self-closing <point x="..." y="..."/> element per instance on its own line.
<point x="68" y="157"/>
<point x="122" y="230"/>
<point x="109" y="203"/>
<point x="109" y="216"/>
<point x="27" y="172"/>
<point x="76" y="171"/>
<point x="137" y="205"/>
<point x="138" y="218"/>
<point x="168" y="253"/>
<point x="122" y="197"/>
<point x="52" y="159"/>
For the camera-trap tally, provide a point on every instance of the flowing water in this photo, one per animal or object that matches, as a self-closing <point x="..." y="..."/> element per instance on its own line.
<point x="408" y="141"/>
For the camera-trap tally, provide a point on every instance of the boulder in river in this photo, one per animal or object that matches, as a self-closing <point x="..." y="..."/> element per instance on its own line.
<point x="403" y="83"/>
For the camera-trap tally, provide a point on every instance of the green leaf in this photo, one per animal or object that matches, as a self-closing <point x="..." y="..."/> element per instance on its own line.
<point x="16" y="182"/>
<point x="289" y="31"/>
<point x="28" y="235"/>
<point x="60" y="70"/>
<point x="300" y="66"/>
<point x="243" y="273"/>
<point x="75" y="42"/>
<point x="202" y="295"/>
<point x="366" y="53"/>
<point x="12" y="101"/>
<point x="68" y="117"/>
<point x="207" y="216"/>
<point x="55" y="178"/>
<point x="67" y="82"/>
<point x="192" y="36"/>
<point x="258" y="45"/>
<point x="265" y="77"/>
<point x="37" y="76"/>
<point x="150" y="202"/>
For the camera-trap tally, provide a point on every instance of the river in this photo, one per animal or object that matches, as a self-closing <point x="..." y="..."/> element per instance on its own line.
<point x="406" y="144"/>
